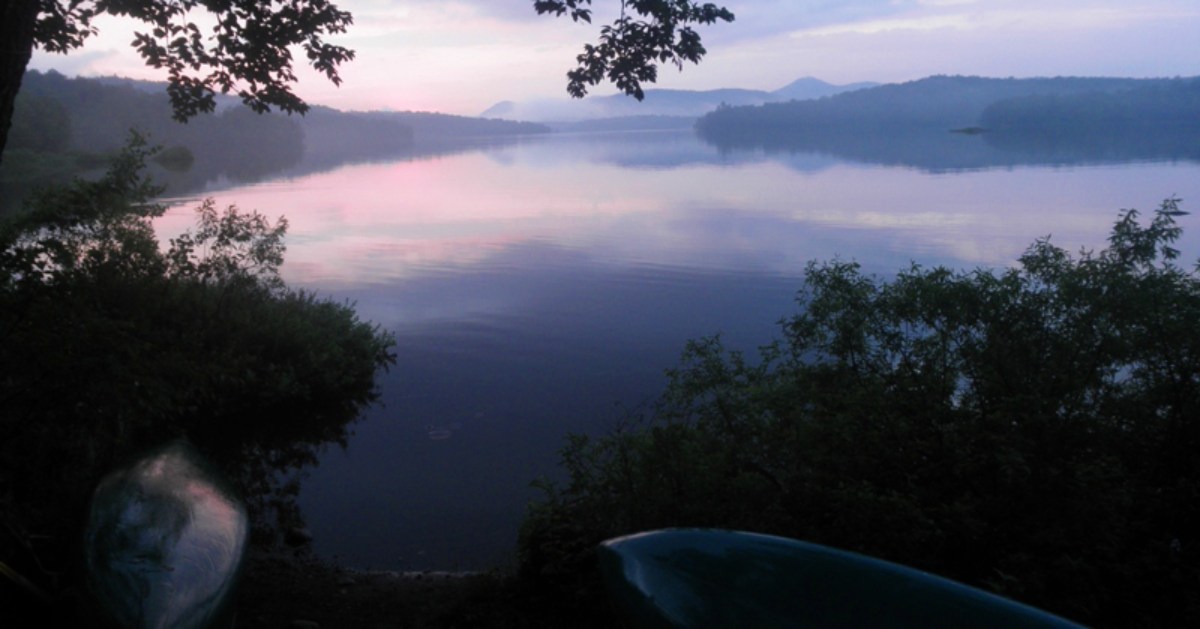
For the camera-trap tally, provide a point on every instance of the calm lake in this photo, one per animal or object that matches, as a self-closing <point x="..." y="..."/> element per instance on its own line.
<point x="541" y="287"/>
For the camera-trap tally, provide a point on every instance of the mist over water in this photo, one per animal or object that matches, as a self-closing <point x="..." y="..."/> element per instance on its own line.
<point x="542" y="286"/>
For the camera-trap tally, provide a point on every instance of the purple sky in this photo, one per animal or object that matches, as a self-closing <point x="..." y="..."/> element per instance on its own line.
<point x="461" y="56"/>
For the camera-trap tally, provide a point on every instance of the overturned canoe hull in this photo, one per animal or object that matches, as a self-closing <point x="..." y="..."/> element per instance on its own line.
<point x="683" y="578"/>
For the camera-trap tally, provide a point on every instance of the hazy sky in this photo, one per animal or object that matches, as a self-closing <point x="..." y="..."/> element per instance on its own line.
<point x="461" y="56"/>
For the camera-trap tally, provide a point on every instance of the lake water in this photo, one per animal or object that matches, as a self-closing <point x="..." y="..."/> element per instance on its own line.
<point x="541" y="287"/>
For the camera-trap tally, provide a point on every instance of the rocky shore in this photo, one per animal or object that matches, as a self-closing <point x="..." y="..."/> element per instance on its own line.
<point x="285" y="590"/>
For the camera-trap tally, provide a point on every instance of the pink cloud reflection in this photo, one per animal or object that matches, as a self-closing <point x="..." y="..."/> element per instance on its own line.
<point x="372" y="222"/>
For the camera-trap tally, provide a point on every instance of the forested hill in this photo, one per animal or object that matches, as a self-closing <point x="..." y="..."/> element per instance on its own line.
<point x="56" y="113"/>
<point x="1157" y="107"/>
<point x="57" y="119"/>
<point x="938" y="102"/>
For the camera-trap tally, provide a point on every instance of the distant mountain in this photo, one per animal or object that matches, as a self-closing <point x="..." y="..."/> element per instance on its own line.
<point x="505" y="109"/>
<point x="661" y="102"/>
<point x="809" y="88"/>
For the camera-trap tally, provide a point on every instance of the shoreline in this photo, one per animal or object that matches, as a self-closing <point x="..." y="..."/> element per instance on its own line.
<point x="294" y="589"/>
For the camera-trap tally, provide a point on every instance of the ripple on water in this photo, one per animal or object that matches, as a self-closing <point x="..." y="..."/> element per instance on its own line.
<point x="438" y="434"/>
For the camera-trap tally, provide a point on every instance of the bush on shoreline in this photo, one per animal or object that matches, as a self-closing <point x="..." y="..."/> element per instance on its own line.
<point x="111" y="344"/>
<point x="1031" y="431"/>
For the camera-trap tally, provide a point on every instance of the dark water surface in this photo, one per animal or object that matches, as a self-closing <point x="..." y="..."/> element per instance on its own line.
<point x="542" y="287"/>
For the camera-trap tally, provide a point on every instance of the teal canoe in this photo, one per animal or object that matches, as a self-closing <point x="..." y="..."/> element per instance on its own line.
<point x="688" y="578"/>
<point x="165" y="542"/>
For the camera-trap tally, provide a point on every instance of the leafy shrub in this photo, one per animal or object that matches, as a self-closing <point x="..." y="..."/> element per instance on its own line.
<point x="1032" y="431"/>
<point x="110" y="344"/>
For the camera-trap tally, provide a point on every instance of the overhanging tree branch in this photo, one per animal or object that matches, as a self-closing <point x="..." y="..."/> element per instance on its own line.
<point x="646" y="34"/>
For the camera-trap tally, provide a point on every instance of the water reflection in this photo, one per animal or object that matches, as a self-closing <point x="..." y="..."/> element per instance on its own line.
<point x="374" y="223"/>
<point x="938" y="150"/>
<point x="221" y="169"/>
<point x="439" y="434"/>
<point x="542" y="287"/>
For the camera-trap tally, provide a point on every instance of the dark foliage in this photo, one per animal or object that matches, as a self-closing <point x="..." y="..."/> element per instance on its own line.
<point x="110" y="345"/>
<point x="1032" y="431"/>
<point x="247" y="53"/>
<point x="647" y="33"/>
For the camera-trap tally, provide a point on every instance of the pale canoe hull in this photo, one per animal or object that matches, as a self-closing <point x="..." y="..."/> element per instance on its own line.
<point x="684" y="578"/>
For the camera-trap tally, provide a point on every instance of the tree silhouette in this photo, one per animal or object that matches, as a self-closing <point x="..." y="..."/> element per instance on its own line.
<point x="250" y="50"/>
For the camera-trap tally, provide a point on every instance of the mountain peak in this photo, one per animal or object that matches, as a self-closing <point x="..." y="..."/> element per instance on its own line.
<point x="662" y="102"/>
<point x="502" y="109"/>
<point x="811" y="87"/>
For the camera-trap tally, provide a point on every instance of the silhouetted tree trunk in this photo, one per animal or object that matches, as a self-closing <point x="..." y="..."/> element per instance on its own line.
<point x="17" y="19"/>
